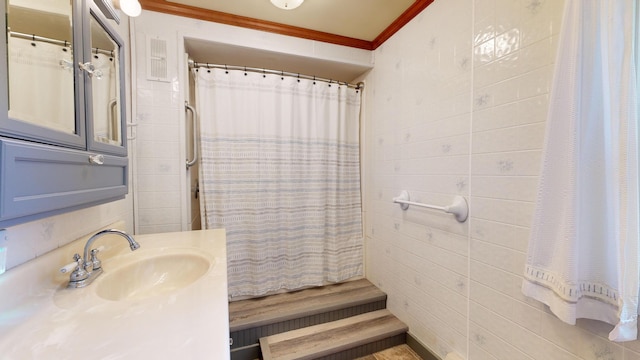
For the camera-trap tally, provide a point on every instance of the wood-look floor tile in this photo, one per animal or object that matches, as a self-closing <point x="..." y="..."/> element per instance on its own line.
<point x="401" y="352"/>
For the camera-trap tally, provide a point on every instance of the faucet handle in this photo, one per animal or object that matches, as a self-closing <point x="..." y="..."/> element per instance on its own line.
<point x="76" y="264"/>
<point x="69" y="267"/>
<point x="96" y="263"/>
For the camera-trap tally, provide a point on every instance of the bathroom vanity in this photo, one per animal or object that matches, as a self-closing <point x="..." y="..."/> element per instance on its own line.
<point x="166" y="300"/>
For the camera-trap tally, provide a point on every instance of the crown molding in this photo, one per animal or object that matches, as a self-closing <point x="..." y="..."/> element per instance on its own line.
<point x="400" y="22"/>
<point x="172" y="8"/>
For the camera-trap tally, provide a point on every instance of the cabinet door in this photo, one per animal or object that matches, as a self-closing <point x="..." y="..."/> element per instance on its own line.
<point x="41" y="86"/>
<point x="104" y="86"/>
<point x="41" y="180"/>
<point x="62" y="134"/>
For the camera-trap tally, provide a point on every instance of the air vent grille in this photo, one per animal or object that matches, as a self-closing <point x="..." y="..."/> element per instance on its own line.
<point x="157" y="68"/>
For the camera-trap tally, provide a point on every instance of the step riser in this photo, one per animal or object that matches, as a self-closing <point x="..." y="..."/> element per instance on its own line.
<point x="246" y="353"/>
<point x="251" y="336"/>
<point x="253" y="352"/>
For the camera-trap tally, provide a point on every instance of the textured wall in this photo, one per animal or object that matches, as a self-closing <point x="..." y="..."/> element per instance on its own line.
<point x="456" y="104"/>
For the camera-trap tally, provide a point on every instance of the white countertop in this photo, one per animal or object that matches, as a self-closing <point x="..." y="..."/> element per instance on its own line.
<point x="41" y="319"/>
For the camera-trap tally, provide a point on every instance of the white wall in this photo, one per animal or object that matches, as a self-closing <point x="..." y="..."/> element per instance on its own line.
<point x="160" y="161"/>
<point x="27" y="241"/>
<point x="457" y="105"/>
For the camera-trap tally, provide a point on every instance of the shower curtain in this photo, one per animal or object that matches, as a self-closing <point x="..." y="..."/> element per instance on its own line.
<point x="32" y="62"/>
<point x="280" y="171"/>
<point x="583" y="253"/>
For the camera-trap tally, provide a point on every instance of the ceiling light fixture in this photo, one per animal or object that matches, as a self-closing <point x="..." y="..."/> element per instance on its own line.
<point x="287" y="4"/>
<point x="131" y="8"/>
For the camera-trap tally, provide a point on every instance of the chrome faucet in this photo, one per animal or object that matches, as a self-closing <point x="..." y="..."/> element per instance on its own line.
<point x="86" y="269"/>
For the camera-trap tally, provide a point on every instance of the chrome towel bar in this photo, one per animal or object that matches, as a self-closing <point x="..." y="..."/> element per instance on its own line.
<point x="459" y="207"/>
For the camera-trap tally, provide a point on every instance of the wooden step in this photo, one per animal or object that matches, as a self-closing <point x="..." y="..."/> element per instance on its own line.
<point x="276" y="308"/>
<point x="252" y="319"/>
<point x="327" y="339"/>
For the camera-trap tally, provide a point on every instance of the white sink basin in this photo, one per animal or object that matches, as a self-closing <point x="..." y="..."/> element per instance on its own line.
<point x="173" y="290"/>
<point x="150" y="274"/>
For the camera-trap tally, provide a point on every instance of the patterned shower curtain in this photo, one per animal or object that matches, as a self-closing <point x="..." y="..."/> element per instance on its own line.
<point x="280" y="171"/>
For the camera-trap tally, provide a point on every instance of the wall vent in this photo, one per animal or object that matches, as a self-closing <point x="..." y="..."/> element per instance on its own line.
<point x="157" y="66"/>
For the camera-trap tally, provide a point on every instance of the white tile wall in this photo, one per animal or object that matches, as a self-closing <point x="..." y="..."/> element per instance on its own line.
<point x="30" y="240"/>
<point x="456" y="104"/>
<point x="159" y="159"/>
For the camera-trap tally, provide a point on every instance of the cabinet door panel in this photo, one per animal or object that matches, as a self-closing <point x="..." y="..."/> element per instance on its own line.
<point x="40" y="178"/>
<point x="42" y="78"/>
<point x="104" y="88"/>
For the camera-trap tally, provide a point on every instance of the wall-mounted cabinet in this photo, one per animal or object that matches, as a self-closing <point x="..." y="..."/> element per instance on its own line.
<point x="62" y="111"/>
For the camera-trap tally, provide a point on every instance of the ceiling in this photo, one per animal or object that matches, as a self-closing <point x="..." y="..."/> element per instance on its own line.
<point x="362" y="24"/>
<point x="360" y="19"/>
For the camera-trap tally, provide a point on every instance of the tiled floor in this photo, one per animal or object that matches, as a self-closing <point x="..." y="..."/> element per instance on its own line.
<point x="401" y="352"/>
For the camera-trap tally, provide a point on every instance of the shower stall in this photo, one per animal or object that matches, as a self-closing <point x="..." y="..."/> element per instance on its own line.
<point x="279" y="169"/>
<point x="169" y="192"/>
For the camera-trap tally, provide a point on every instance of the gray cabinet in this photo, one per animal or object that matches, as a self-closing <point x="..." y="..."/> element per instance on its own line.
<point x="62" y="113"/>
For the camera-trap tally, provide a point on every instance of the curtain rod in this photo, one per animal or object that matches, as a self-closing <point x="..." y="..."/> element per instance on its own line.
<point x="63" y="43"/>
<point x="193" y="64"/>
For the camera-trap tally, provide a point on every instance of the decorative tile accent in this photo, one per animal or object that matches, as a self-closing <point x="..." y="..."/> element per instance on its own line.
<point x="482" y="100"/>
<point x="505" y="165"/>
<point x="534" y="6"/>
<point x="432" y="43"/>
<point x="461" y="185"/>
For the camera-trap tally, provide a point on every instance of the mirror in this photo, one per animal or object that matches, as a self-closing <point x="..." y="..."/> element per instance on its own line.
<point x="105" y="85"/>
<point x="40" y="63"/>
